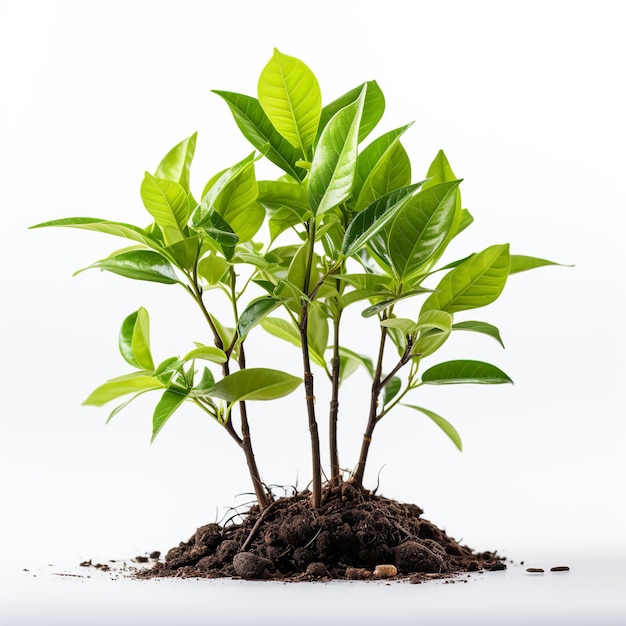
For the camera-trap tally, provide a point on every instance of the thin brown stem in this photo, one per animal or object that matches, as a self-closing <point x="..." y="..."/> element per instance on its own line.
<point x="335" y="470"/>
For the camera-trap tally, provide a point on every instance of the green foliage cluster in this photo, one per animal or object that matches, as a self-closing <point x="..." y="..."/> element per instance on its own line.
<point x="366" y="236"/>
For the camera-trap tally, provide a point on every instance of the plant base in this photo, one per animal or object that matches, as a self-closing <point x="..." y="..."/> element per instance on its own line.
<point x="355" y="534"/>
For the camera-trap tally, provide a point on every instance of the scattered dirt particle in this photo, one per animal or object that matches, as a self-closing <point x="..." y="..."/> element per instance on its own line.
<point x="535" y="570"/>
<point x="385" y="571"/>
<point x="141" y="559"/>
<point x="358" y="573"/>
<point x="155" y="554"/>
<point x="317" y="570"/>
<point x="560" y="568"/>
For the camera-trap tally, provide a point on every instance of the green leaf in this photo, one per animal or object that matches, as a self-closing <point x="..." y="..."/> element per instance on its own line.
<point x="392" y="389"/>
<point x="255" y="312"/>
<point x="371" y="220"/>
<point x="455" y="372"/>
<point x="476" y="282"/>
<point x="119" y="229"/>
<point x="372" y="154"/>
<point x="207" y="381"/>
<point x="439" y="320"/>
<point x="349" y="356"/>
<point x="259" y="131"/>
<point x="374" y="282"/>
<point x="381" y="306"/>
<point x="168" y="204"/>
<point x="186" y="251"/>
<point x="392" y="171"/>
<point x="439" y="171"/>
<point x="404" y="325"/>
<point x="373" y="108"/>
<point x="255" y="384"/>
<point x="275" y="194"/>
<point x="317" y="330"/>
<point x="287" y="331"/>
<point x="117" y="388"/>
<point x="479" y="327"/>
<point x="429" y="341"/>
<point x="420" y="227"/>
<point x="442" y="423"/>
<point x="283" y="219"/>
<point x="139" y="265"/>
<point x="208" y="353"/>
<point x="134" y="340"/>
<point x="177" y="162"/>
<point x="334" y="163"/>
<point x="521" y="263"/>
<point x="169" y="402"/>
<point x="219" y="230"/>
<point x="290" y="96"/>
<point x="212" y="268"/>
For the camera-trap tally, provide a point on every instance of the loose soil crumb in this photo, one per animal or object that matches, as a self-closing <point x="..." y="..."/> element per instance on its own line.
<point x="353" y="533"/>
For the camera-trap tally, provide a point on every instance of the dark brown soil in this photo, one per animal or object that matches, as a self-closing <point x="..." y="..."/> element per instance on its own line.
<point x="354" y="535"/>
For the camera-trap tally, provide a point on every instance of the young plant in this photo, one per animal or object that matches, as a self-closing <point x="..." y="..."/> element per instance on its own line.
<point x="346" y="226"/>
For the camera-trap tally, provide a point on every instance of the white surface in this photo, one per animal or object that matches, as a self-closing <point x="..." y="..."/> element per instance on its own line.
<point x="527" y="101"/>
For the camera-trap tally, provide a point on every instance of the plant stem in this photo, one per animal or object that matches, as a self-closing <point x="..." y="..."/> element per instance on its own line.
<point x="371" y="420"/>
<point x="335" y="470"/>
<point x="316" y="494"/>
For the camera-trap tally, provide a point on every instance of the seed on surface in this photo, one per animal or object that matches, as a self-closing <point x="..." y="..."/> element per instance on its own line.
<point x="535" y="570"/>
<point x="385" y="571"/>
<point x="560" y="568"/>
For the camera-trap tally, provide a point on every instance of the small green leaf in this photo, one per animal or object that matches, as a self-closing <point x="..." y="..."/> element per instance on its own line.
<point x="479" y="327"/>
<point x="169" y="402"/>
<point x="476" y="282"/>
<point x="207" y="381"/>
<point x="287" y="331"/>
<point x="122" y="406"/>
<point x="429" y="341"/>
<point x="176" y="163"/>
<point x="334" y="163"/>
<point x="208" y="353"/>
<point x="185" y="252"/>
<point x="439" y="171"/>
<point x="317" y="330"/>
<point x="139" y="265"/>
<point x="521" y="263"/>
<point x="255" y="312"/>
<point x="442" y="423"/>
<point x="351" y="357"/>
<point x="404" y="325"/>
<point x="439" y="320"/>
<point x="212" y="268"/>
<point x="168" y="204"/>
<point x="134" y="340"/>
<point x="255" y="384"/>
<point x="455" y="372"/>
<point x="258" y="130"/>
<point x="381" y="306"/>
<point x="290" y="96"/>
<point x="275" y="194"/>
<point x="117" y="388"/>
<point x="392" y="388"/>
<point x="373" y="108"/>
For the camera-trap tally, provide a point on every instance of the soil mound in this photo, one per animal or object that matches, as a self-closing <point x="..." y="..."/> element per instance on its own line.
<point x="355" y="534"/>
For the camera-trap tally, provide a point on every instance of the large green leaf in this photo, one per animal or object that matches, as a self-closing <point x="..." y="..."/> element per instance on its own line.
<point x="275" y="194"/>
<point x="420" y="227"/>
<point x="117" y="388"/>
<point x="255" y="312"/>
<point x="169" y="402"/>
<point x="442" y="423"/>
<point x="479" y="327"/>
<point x="373" y="108"/>
<point x="119" y="229"/>
<point x="476" y="282"/>
<point x="290" y="96"/>
<point x="259" y="131"/>
<point x="334" y="163"/>
<point x="522" y="263"/>
<point x="255" y="384"/>
<point x="367" y="223"/>
<point x="392" y="171"/>
<point x="372" y="154"/>
<point x="138" y="264"/>
<point x="168" y="204"/>
<point x="460" y="371"/>
<point x="176" y="163"/>
<point x="134" y="340"/>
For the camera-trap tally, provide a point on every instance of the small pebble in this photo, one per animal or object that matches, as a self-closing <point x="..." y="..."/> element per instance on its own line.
<point x="141" y="559"/>
<point x="155" y="554"/>
<point x="385" y="571"/>
<point x="560" y="568"/>
<point x="535" y="570"/>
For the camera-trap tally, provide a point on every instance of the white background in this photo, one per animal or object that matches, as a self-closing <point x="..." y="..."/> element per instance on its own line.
<point x="527" y="101"/>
